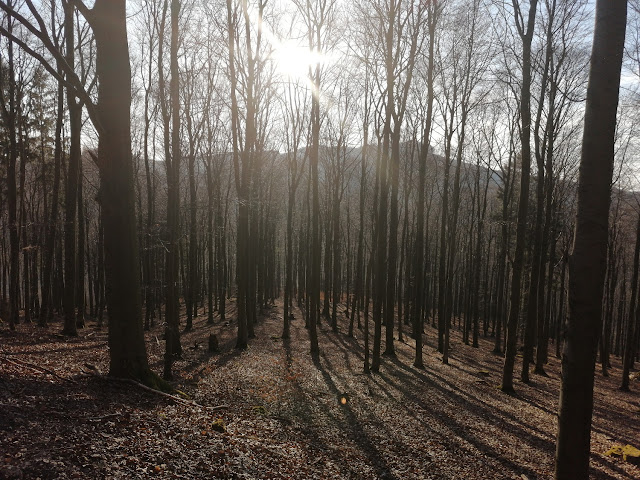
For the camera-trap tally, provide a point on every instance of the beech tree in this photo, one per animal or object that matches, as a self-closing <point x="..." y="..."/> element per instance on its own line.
<point x="318" y="20"/>
<point x="112" y="118"/>
<point x="9" y="111"/>
<point x="588" y="257"/>
<point x="51" y="216"/>
<point x="400" y="151"/>
<point x="295" y="128"/>
<point x="524" y="27"/>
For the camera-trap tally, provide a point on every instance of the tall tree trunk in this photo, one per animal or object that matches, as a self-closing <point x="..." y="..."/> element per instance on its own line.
<point x="420" y="292"/>
<point x="314" y="287"/>
<point x="634" y="314"/>
<point x="381" y="272"/>
<point x="588" y="259"/>
<point x="51" y="227"/>
<point x="212" y="240"/>
<point x="80" y="293"/>
<point x="128" y="357"/>
<point x="71" y="188"/>
<point x="288" y="287"/>
<point x="335" y="247"/>
<point x="543" y="326"/>
<point x="526" y="35"/>
<point x="23" y="226"/>
<point x="193" y="244"/>
<point x="173" y="349"/>
<point x="10" y="119"/>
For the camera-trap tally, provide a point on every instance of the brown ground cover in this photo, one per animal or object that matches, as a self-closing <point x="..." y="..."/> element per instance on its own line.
<point x="282" y="415"/>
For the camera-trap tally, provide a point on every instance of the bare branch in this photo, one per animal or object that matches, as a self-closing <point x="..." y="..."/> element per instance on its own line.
<point x="72" y="81"/>
<point x="86" y="12"/>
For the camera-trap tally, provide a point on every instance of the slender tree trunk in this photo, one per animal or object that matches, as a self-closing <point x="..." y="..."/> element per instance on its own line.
<point x="634" y="314"/>
<point x="360" y="266"/>
<point x="526" y="35"/>
<point x="173" y="349"/>
<point x="193" y="244"/>
<point x="560" y="322"/>
<point x="10" y="119"/>
<point x="80" y="290"/>
<point x="212" y="239"/>
<point x="420" y="252"/>
<point x="51" y="227"/>
<point x="314" y="287"/>
<point x="335" y="247"/>
<point x="71" y="188"/>
<point x="286" y="332"/>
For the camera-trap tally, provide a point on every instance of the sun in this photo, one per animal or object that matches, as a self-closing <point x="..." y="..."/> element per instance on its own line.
<point x="293" y="60"/>
<point x="290" y="54"/>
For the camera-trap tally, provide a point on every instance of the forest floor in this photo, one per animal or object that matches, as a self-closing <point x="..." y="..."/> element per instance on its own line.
<point x="282" y="415"/>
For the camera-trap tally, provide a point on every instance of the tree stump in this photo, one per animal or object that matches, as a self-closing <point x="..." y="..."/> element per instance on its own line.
<point x="4" y="310"/>
<point x="213" y="343"/>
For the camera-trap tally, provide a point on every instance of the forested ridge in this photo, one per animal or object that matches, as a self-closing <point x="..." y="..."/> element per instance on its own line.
<point x="413" y="202"/>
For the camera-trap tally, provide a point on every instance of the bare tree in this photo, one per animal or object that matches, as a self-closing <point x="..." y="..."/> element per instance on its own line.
<point x="525" y="29"/>
<point x="111" y="117"/>
<point x="588" y="258"/>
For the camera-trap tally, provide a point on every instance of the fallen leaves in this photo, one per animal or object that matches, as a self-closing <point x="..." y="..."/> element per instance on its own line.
<point x="271" y="412"/>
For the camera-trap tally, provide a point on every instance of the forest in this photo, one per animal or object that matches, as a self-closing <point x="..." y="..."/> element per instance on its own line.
<point x="319" y="239"/>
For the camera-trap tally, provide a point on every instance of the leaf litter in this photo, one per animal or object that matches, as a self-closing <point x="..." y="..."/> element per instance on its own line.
<point x="284" y="415"/>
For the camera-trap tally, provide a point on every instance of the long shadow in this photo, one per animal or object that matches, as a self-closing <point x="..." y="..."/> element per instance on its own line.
<point x="342" y="345"/>
<point x="69" y="422"/>
<point x="514" y="425"/>
<point x="356" y="432"/>
<point x="305" y="416"/>
<point x="607" y="416"/>
<point x="473" y="403"/>
<point x="531" y="386"/>
<point x="605" y="462"/>
<point x="351" y="345"/>
<point x="379" y="425"/>
<point x="602" y="414"/>
<point x="510" y="426"/>
<point x="226" y="350"/>
<point x="79" y="398"/>
<point x="459" y="429"/>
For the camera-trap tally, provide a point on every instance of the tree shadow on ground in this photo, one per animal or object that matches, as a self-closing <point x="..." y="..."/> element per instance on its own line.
<point x="354" y="429"/>
<point x="306" y="415"/>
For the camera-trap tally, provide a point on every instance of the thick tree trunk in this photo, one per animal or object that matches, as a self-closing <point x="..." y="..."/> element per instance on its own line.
<point x="588" y="259"/>
<point x="128" y="357"/>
